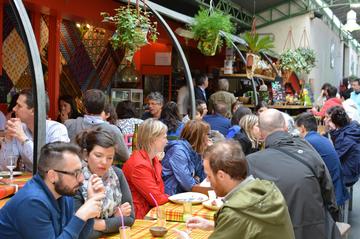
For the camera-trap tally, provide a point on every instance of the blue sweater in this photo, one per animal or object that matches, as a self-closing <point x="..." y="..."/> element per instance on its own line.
<point x="218" y="122"/>
<point x="327" y="152"/>
<point x="182" y="167"/>
<point x="347" y="145"/>
<point x="33" y="212"/>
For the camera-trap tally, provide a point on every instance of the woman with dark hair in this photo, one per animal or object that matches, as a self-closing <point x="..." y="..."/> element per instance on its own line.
<point x="237" y="115"/>
<point x="345" y="135"/>
<point x="171" y="118"/>
<point x="182" y="164"/>
<point x="127" y="119"/>
<point x="110" y="114"/>
<point x="67" y="109"/>
<point x="98" y="148"/>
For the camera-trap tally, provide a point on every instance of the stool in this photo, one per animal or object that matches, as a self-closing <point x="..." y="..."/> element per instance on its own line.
<point x="344" y="229"/>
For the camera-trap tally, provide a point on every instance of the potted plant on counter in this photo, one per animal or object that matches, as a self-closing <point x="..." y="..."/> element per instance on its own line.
<point x="206" y="28"/>
<point x="133" y="29"/>
<point x="255" y="45"/>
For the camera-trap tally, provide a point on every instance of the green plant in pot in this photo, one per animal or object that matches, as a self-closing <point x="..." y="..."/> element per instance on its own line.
<point x="301" y="60"/>
<point x="133" y="29"/>
<point x="206" y="27"/>
<point x="255" y="45"/>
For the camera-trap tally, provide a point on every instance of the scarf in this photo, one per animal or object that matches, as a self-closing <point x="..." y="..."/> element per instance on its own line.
<point x="113" y="193"/>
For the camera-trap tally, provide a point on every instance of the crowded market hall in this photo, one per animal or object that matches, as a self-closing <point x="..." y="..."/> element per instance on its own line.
<point x="180" y="119"/>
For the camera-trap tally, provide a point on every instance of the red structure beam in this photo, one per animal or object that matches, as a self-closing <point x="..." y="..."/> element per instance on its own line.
<point x="53" y="82"/>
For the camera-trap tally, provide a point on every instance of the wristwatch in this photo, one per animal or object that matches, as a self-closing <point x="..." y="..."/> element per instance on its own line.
<point x="25" y="141"/>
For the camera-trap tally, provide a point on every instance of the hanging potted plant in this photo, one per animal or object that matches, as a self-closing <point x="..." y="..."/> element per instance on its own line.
<point x="206" y="28"/>
<point x="255" y="45"/>
<point x="133" y="29"/>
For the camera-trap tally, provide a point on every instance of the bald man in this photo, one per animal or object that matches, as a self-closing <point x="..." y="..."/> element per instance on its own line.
<point x="300" y="174"/>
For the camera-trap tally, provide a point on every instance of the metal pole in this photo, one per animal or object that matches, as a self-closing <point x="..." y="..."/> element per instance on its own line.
<point x="182" y="57"/>
<point x="27" y="34"/>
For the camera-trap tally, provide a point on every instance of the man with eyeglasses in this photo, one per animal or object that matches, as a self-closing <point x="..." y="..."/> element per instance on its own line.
<point x="44" y="208"/>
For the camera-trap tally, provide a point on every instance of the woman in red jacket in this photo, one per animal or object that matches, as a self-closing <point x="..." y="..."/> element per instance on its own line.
<point x="143" y="169"/>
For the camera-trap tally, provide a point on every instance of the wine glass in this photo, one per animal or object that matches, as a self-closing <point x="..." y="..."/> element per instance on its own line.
<point x="11" y="164"/>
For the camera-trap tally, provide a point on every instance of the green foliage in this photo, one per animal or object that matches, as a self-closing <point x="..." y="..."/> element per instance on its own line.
<point x="257" y="44"/>
<point x="301" y="60"/>
<point x="133" y="28"/>
<point x="207" y="25"/>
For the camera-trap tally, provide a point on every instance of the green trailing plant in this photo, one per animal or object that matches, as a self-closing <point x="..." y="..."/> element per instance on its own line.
<point x="256" y="44"/>
<point x="133" y="29"/>
<point x="300" y="60"/>
<point x="206" y="27"/>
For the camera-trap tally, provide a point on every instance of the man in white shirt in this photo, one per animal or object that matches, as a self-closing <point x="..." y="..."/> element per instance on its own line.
<point x="355" y="95"/>
<point x="19" y="131"/>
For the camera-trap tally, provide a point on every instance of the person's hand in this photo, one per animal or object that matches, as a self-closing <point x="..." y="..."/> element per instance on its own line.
<point x="14" y="129"/>
<point x="181" y="234"/>
<point x="99" y="225"/>
<point x="199" y="223"/>
<point x="95" y="186"/>
<point x="63" y="116"/>
<point x="91" y="208"/>
<point x="125" y="210"/>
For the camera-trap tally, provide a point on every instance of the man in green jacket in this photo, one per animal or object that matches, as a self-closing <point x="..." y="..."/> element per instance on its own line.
<point x="253" y="208"/>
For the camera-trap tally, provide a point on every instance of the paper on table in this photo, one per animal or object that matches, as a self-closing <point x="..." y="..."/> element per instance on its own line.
<point x="205" y="183"/>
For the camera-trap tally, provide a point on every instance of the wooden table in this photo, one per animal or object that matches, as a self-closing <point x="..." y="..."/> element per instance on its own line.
<point x="140" y="230"/>
<point x="7" y="189"/>
<point x="174" y="212"/>
<point x="290" y="109"/>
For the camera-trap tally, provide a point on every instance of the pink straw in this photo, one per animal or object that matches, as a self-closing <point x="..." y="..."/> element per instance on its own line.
<point x="122" y="218"/>
<point x="157" y="205"/>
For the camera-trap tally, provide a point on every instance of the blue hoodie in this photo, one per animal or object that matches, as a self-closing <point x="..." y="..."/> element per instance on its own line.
<point x="347" y="145"/>
<point x="182" y="167"/>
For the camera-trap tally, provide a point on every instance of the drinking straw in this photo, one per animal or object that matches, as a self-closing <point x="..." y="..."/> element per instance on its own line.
<point x="157" y="205"/>
<point x="121" y="218"/>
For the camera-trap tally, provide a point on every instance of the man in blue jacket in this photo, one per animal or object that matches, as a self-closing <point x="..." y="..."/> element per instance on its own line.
<point x="307" y="126"/>
<point x="44" y="208"/>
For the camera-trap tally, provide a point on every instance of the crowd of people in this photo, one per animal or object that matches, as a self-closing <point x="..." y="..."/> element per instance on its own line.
<point x="279" y="177"/>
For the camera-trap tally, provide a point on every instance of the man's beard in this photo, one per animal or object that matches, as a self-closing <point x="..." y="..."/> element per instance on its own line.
<point x="64" y="190"/>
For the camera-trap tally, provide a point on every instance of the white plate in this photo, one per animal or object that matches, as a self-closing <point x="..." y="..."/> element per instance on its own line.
<point x="193" y="197"/>
<point x="7" y="173"/>
<point x="213" y="204"/>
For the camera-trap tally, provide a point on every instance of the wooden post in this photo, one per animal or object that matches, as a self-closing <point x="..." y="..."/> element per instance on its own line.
<point x="53" y="81"/>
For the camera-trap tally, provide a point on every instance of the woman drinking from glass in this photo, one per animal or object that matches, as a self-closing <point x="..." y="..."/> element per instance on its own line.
<point x="99" y="150"/>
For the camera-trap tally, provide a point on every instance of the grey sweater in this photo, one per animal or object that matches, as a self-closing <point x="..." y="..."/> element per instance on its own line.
<point x="75" y="126"/>
<point x="112" y="223"/>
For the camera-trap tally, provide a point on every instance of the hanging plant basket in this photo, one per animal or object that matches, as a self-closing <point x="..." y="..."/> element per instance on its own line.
<point x="206" y="28"/>
<point x="208" y="46"/>
<point x="133" y="29"/>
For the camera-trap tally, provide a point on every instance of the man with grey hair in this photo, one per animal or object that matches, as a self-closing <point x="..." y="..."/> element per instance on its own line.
<point x="300" y="174"/>
<point x="155" y="103"/>
<point x="222" y="95"/>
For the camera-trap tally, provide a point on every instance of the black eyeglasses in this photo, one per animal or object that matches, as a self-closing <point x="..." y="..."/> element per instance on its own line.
<point x="77" y="173"/>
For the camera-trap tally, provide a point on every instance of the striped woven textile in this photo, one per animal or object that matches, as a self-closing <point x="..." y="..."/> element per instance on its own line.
<point x="7" y="190"/>
<point x="140" y="230"/>
<point x="174" y="212"/>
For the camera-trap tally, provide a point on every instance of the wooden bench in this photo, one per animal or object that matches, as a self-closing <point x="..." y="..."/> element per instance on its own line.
<point x="344" y="229"/>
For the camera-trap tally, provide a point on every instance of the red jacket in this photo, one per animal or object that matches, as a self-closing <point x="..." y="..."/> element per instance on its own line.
<point x="143" y="179"/>
<point x="327" y="105"/>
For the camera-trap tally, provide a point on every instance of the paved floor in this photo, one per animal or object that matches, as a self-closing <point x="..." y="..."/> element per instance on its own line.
<point x="354" y="216"/>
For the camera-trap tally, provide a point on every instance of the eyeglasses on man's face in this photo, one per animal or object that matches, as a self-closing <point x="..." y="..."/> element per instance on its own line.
<point x="77" y="173"/>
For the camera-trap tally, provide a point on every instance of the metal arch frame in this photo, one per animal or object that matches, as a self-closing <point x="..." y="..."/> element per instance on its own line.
<point x="38" y="88"/>
<point x="182" y="57"/>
